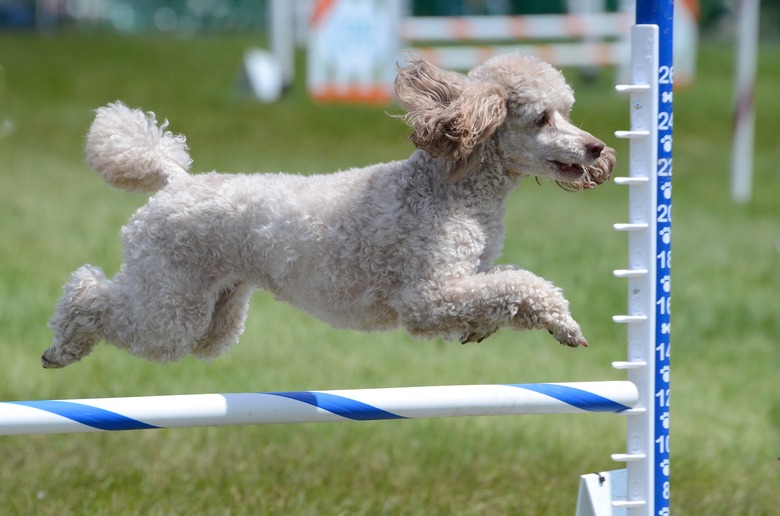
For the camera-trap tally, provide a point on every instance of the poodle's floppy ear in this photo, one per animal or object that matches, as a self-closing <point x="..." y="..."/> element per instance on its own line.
<point x="450" y="114"/>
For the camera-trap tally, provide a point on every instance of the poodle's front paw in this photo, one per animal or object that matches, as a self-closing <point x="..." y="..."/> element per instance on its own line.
<point x="568" y="332"/>
<point x="55" y="358"/>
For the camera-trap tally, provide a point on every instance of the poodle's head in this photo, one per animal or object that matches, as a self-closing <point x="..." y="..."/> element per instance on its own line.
<point x="519" y="102"/>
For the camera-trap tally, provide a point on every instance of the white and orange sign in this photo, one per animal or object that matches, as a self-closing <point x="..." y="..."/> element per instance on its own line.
<point x="353" y="49"/>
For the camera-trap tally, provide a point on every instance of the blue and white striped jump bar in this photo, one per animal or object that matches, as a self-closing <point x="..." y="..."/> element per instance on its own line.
<point x="190" y="410"/>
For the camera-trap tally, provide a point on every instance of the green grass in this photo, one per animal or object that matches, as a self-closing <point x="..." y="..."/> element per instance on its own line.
<point x="58" y="215"/>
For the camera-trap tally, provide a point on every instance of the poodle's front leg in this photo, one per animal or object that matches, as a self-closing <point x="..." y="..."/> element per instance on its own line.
<point x="474" y="307"/>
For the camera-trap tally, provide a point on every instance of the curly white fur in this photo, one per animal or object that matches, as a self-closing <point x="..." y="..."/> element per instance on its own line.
<point x="408" y="243"/>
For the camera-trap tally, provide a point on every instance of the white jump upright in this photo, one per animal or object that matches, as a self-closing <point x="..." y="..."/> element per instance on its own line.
<point x="643" y="488"/>
<point x="661" y="14"/>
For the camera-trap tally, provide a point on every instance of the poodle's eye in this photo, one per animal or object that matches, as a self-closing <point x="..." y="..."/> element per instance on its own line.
<point x="543" y="119"/>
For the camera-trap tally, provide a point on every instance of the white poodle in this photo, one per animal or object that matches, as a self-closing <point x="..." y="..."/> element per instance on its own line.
<point x="408" y="243"/>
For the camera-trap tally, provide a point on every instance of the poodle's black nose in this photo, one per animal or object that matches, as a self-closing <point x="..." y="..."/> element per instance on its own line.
<point x="594" y="148"/>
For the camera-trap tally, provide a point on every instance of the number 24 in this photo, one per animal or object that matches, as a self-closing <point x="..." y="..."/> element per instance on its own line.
<point x="665" y="121"/>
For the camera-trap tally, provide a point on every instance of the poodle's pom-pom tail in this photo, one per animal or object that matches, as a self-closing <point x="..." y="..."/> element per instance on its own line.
<point x="130" y="151"/>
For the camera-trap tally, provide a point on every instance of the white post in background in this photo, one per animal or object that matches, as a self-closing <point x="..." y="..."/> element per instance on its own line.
<point x="744" y="101"/>
<point x="282" y="16"/>
<point x="267" y="73"/>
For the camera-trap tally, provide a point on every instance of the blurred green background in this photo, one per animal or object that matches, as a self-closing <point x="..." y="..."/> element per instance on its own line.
<point x="58" y="215"/>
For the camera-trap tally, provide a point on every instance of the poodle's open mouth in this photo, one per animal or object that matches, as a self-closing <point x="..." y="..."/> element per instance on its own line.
<point x="569" y="169"/>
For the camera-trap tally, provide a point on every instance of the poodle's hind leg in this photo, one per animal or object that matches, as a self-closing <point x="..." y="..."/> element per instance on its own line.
<point x="78" y="319"/>
<point x="159" y="321"/>
<point x="227" y="321"/>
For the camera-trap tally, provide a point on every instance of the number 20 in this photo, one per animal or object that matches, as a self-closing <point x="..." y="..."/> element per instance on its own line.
<point x="664" y="213"/>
